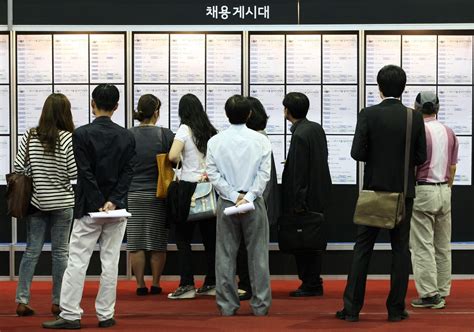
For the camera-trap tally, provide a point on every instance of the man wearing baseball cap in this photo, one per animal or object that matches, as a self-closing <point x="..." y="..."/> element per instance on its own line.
<point x="430" y="234"/>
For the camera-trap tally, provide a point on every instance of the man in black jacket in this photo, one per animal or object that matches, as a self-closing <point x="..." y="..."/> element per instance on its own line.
<point x="379" y="141"/>
<point x="306" y="183"/>
<point x="104" y="154"/>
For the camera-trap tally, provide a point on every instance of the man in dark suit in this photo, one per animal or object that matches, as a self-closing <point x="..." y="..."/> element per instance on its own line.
<point x="306" y="183"/>
<point x="379" y="141"/>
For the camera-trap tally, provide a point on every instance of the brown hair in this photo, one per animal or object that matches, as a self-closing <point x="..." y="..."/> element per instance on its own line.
<point x="56" y="116"/>
<point x="147" y="105"/>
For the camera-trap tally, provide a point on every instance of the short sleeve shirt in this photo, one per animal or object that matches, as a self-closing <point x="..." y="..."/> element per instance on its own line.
<point x="193" y="161"/>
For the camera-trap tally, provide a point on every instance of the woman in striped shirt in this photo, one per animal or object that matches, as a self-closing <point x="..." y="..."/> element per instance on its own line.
<point x="50" y="161"/>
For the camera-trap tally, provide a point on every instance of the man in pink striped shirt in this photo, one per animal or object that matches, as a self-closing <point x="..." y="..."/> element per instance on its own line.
<point x="430" y="234"/>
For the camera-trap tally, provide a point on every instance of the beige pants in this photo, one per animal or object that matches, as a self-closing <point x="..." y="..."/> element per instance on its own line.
<point x="430" y="240"/>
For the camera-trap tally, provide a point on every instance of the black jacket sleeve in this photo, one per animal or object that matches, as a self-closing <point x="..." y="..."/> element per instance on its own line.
<point x="300" y="172"/>
<point x="94" y="197"/>
<point x="360" y="147"/>
<point x="118" y="196"/>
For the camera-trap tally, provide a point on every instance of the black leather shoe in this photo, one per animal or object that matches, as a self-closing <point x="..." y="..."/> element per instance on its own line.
<point x="398" y="317"/>
<point x="307" y="292"/>
<point x="245" y="296"/>
<point x="343" y="315"/>
<point x="63" y="324"/>
<point x="107" y="323"/>
<point x="142" y="291"/>
<point x="155" y="290"/>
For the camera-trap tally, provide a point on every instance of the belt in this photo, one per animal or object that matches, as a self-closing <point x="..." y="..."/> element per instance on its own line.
<point x="419" y="183"/>
<point x="242" y="192"/>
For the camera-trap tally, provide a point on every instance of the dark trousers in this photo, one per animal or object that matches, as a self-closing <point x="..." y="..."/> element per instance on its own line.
<point x="243" y="268"/>
<point x="184" y="236"/>
<point x="309" y="270"/>
<point x="400" y="269"/>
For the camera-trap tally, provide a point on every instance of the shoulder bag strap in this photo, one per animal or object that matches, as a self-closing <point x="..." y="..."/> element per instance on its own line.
<point x="26" y="160"/>
<point x="407" y="149"/>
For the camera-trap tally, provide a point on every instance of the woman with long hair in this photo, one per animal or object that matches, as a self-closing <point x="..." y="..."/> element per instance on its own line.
<point x="189" y="147"/>
<point x="50" y="161"/>
<point x="146" y="228"/>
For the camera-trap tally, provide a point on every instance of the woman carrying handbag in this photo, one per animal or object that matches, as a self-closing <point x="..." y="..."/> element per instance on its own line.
<point x="190" y="142"/>
<point x="50" y="161"/>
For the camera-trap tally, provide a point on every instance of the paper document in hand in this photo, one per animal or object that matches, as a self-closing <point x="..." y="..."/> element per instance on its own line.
<point x="111" y="214"/>
<point x="239" y="209"/>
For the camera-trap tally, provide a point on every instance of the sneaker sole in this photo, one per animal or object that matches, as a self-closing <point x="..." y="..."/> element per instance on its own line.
<point x="184" y="296"/>
<point x="440" y="305"/>
<point x="208" y="293"/>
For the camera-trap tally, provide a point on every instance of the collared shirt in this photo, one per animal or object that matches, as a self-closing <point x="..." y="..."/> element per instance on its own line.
<point x="239" y="160"/>
<point x="104" y="154"/>
<point x="442" y="152"/>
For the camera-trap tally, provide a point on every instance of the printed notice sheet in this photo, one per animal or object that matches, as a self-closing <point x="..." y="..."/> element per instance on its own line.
<point x="119" y="114"/>
<point x="30" y="104"/>
<point x="71" y="63"/>
<point x="342" y="167"/>
<point x="34" y="59"/>
<point x="372" y="95"/>
<point x="419" y="59"/>
<point x="313" y="92"/>
<point x="340" y="59"/>
<point x="159" y="91"/>
<point x="339" y="109"/>
<point x="151" y="58"/>
<point x="224" y="58"/>
<point x="381" y="50"/>
<point x="303" y="59"/>
<point x="456" y="108"/>
<point x="411" y="91"/>
<point x="178" y="91"/>
<point x="454" y="59"/>
<point x="278" y="149"/>
<point x="464" y="166"/>
<point x="4" y="109"/>
<point x="78" y="95"/>
<point x="4" y="59"/>
<point x="107" y="59"/>
<point x="187" y="58"/>
<point x="267" y="59"/>
<point x="216" y="96"/>
<point x="271" y="97"/>
<point x="4" y="158"/>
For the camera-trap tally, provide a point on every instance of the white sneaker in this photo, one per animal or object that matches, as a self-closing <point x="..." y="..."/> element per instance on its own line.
<point x="209" y="290"/>
<point x="183" y="292"/>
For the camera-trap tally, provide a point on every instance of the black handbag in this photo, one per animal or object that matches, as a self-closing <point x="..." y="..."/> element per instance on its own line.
<point x="301" y="233"/>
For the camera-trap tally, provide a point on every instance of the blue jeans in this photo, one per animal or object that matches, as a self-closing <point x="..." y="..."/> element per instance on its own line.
<point x="37" y="224"/>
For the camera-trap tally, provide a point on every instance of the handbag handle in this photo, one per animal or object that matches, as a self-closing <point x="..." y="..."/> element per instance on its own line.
<point x="407" y="149"/>
<point x="26" y="159"/>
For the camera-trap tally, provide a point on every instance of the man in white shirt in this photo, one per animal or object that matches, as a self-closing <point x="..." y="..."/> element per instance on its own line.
<point x="238" y="165"/>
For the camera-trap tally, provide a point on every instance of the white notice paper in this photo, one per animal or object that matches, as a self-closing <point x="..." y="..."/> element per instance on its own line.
<point x="119" y="115"/>
<point x="31" y="99"/>
<point x="454" y="59"/>
<point x="4" y="109"/>
<point x="419" y="59"/>
<point x="4" y="59"/>
<point x="271" y="97"/>
<point x="151" y="58"/>
<point x="78" y="95"/>
<point x="303" y="59"/>
<point x="178" y="91"/>
<point x="34" y="59"/>
<point x="339" y="109"/>
<point x="187" y="58"/>
<point x="111" y="214"/>
<point x="231" y="210"/>
<point x="267" y="59"/>
<point x="340" y="59"/>
<point x="411" y="91"/>
<point x="464" y="166"/>
<point x="224" y="58"/>
<point x="4" y="158"/>
<point x="279" y="154"/>
<point x="107" y="58"/>
<point x="342" y="167"/>
<point x="159" y="91"/>
<point x="71" y="63"/>
<point x="455" y="109"/>
<point x="381" y="50"/>
<point x="372" y="95"/>
<point x="216" y="96"/>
